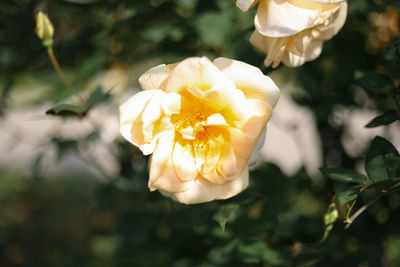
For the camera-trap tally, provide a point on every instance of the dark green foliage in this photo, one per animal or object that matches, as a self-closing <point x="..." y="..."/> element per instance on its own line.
<point x="375" y="82"/>
<point x="343" y="175"/>
<point x="95" y="98"/>
<point x="382" y="163"/>
<point x="384" y="119"/>
<point x="392" y="59"/>
<point x="225" y="213"/>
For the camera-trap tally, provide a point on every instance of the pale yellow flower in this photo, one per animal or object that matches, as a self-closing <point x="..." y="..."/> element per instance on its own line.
<point x="201" y="120"/>
<point x="293" y="31"/>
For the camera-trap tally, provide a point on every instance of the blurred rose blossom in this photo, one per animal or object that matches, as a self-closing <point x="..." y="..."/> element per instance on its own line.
<point x="293" y="31"/>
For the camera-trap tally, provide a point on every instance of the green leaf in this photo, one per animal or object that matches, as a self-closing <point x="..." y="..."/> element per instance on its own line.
<point x="225" y="213"/>
<point x="392" y="59"/>
<point x="384" y="119"/>
<point x="374" y="82"/>
<point x="343" y="175"/>
<point x="346" y="194"/>
<point x="258" y="251"/>
<point x="383" y="161"/>
<point x="384" y="185"/>
<point x="96" y="97"/>
<point x="67" y="110"/>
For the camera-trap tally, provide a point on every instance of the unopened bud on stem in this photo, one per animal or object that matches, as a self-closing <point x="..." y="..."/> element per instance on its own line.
<point x="44" y="29"/>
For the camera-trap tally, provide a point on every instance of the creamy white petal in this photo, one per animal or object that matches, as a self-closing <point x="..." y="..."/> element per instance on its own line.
<point x="131" y="124"/>
<point x="227" y="163"/>
<point x="259" y="41"/>
<point x="201" y="191"/>
<point x="245" y="5"/>
<point x="169" y="181"/>
<point x="243" y="146"/>
<point x="196" y="72"/>
<point x="207" y="156"/>
<point x="207" y="83"/>
<point x="313" y="50"/>
<point x="216" y="119"/>
<point x="260" y="143"/>
<point x="277" y="18"/>
<point x="338" y="20"/>
<point x="162" y="172"/>
<point x="152" y="113"/>
<point x="154" y="77"/>
<point x="249" y="79"/>
<point x="293" y="60"/>
<point x="235" y="186"/>
<point x="184" y="162"/>
<point x="161" y="155"/>
<point x="171" y="103"/>
<point x="261" y="113"/>
<point x="214" y="97"/>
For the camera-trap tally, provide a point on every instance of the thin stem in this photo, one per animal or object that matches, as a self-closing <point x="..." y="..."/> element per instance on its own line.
<point x="394" y="186"/>
<point x="360" y="211"/>
<point x="60" y="73"/>
<point x="396" y="99"/>
<point x="350" y="208"/>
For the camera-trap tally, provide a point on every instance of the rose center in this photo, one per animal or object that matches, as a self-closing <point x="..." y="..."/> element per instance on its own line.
<point x="191" y="126"/>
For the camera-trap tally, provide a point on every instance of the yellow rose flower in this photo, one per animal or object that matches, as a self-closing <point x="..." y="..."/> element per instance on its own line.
<point x="201" y="120"/>
<point x="293" y="31"/>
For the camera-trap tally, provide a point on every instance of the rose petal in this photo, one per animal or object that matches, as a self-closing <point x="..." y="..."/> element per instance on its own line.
<point x="199" y="73"/>
<point x="242" y="146"/>
<point x="171" y="104"/>
<point x="208" y="84"/>
<point x="204" y="191"/>
<point x="276" y="18"/>
<point x="216" y="119"/>
<point x="169" y="181"/>
<point x="207" y="156"/>
<point x="131" y="124"/>
<point x="152" y="113"/>
<point x="260" y="114"/>
<point x="201" y="191"/>
<point x="256" y="151"/>
<point x="184" y="162"/>
<point x="249" y="79"/>
<point x="245" y="5"/>
<point x="227" y="163"/>
<point x="162" y="172"/>
<point x="235" y="186"/>
<point x="338" y="20"/>
<point x="259" y="41"/>
<point x="312" y="52"/>
<point x="161" y="155"/>
<point x="154" y="77"/>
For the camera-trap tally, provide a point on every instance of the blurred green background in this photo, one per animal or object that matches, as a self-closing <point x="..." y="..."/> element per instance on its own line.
<point x="73" y="193"/>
